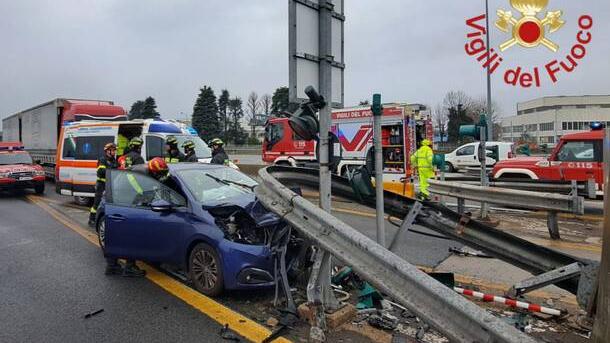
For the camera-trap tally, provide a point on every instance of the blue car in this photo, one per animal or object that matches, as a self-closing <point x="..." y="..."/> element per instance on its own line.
<point x="205" y="220"/>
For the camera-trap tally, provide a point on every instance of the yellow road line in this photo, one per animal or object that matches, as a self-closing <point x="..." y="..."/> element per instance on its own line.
<point x="244" y="326"/>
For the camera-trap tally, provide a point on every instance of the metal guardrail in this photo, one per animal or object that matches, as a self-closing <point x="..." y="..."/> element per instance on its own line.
<point x="457" y="318"/>
<point x="510" y="197"/>
<point x="553" y="203"/>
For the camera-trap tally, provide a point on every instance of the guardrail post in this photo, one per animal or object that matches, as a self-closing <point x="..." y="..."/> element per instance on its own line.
<point x="553" y="225"/>
<point x="460" y="205"/>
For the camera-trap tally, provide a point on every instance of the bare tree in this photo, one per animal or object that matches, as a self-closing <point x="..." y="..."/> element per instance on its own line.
<point x="454" y="98"/>
<point x="252" y="107"/>
<point x="479" y="106"/>
<point x="265" y="104"/>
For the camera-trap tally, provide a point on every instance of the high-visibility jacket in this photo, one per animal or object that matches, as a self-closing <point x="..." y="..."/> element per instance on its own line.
<point x="175" y="156"/>
<point x="422" y="159"/>
<point x="121" y="144"/>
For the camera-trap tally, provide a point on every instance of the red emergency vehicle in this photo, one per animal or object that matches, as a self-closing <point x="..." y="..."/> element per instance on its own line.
<point x="402" y="126"/>
<point x="17" y="170"/>
<point x="577" y="156"/>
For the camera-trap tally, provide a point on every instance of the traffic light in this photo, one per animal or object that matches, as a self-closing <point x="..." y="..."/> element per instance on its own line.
<point x="474" y="131"/>
<point x="376" y="108"/>
<point x="303" y="121"/>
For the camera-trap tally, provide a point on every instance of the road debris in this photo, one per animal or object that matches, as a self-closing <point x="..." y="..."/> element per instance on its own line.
<point x="94" y="313"/>
<point x="465" y="252"/>
<point x="509" y="302"/>
<point x="227" y="334"/>
<point x="384" y="321"/>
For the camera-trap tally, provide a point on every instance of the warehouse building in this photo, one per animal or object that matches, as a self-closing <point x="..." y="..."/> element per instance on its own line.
<point x="545" y="120"/>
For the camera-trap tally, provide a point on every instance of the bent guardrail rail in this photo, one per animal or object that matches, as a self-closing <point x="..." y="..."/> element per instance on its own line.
<point x="553" y="203"/>
<point x="457" y="318"/>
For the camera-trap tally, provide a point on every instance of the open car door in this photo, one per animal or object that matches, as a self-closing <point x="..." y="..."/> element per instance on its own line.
<point x="145" y="220"/>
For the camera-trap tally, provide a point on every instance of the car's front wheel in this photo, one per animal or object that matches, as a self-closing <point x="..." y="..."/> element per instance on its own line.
<point x="449" y="167"/>
<point x="205" y="270"/>
<point x="101" y="232"/>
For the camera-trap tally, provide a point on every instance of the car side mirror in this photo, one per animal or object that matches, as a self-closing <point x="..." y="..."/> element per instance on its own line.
<point x="161" y="205"/>
<point x="37" y="162"/>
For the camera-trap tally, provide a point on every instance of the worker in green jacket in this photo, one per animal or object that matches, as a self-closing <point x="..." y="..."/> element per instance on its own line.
<point x="422" y="160"/>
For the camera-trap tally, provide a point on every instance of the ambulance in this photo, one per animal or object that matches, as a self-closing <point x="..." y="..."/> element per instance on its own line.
<point x="81" y="144"/>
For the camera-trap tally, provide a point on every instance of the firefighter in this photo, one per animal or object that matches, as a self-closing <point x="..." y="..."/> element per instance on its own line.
<point x="157" y="168"/>
<point x="422" y="160"/>
<point x="103" y="163"/>
<point x="173" y="154"/>
<point x="189" y="151"/>
<point x="219" y="156"/>
<point x="133" y="157"/>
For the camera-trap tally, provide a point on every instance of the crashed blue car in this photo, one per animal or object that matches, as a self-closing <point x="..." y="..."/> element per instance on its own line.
<point x="205" y="220"/>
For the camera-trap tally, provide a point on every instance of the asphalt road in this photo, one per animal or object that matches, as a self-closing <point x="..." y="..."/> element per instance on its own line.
<point x="50" y="277"/>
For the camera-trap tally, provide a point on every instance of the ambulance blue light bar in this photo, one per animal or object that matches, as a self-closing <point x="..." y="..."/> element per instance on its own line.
<point x="162" y="127"/>
<point x="192" y="131"/>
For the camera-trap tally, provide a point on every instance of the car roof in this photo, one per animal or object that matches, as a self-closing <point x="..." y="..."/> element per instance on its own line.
<point x="587" y="135"/>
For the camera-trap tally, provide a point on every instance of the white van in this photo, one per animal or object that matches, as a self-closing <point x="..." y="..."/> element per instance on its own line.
<point x="82" y="143"/>
<point x="467" y="155"/>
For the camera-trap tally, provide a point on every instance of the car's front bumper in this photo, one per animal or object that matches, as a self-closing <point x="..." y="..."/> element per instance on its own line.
<point x="10" y="183"/>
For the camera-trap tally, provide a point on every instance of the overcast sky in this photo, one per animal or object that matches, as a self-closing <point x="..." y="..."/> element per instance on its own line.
<point x="125" y="50"/>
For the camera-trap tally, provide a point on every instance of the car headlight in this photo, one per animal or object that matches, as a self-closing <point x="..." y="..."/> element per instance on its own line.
<point x="39" y="173"/>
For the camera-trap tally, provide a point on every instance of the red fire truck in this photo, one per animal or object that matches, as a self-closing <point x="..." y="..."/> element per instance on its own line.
<point x="402" y="126"/>
<point x="577" y="156"/>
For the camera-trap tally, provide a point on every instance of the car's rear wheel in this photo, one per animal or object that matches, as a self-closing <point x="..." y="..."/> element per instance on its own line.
<point x="39" y="189"/>
<point x="205" y="270"/>
<point x="449" y="167"/>
<point x="101" y="232"/>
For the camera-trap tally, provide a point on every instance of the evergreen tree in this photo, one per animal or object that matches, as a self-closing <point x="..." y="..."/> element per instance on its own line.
<point x="236" y="132"/>
<point x="149" y="108"/>
<point x="457" y="117"/>
<point x="223" y="102"/>
<point x="205" y="115"/>
<point x="280" y="101"/>
<point x="136" y="110"/>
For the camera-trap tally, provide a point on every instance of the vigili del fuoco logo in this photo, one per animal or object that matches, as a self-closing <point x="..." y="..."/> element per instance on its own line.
<point x="531" y="27"/>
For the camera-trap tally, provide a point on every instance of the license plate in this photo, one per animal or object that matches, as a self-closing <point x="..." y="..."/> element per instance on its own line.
<point x="25" y="178"/>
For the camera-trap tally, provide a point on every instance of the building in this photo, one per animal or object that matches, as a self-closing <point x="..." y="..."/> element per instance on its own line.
<point x="545" y="120"/>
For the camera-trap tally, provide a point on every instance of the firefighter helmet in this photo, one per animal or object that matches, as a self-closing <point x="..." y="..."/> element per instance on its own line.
<point x="135" y="141"/>
<point x="157" y="165"/>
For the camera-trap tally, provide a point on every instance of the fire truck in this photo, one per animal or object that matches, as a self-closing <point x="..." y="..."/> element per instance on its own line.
<point x="577" y="156"/>
<point x="402" y="126"/>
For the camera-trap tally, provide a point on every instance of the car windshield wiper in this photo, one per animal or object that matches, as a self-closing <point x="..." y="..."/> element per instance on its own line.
<point x="228" y="182"/>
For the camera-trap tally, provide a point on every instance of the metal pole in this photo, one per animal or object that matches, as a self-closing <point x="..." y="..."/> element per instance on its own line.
<point x="601" y="328"/>
<point x="318" y="288"/>
<point x="490" y="128"/>
<point x="380" y="216"/>
<point x="484" y="182"/>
